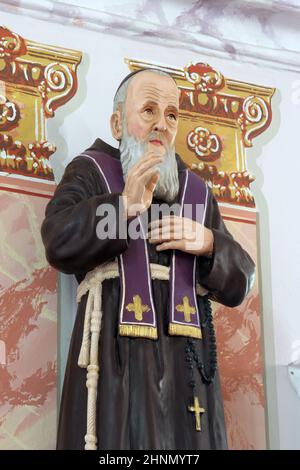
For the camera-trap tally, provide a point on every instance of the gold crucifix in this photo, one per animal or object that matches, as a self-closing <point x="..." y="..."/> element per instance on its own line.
<point x="137" y="307"/>
<point x="186" y="308"/>
<point x="198" y="411"/>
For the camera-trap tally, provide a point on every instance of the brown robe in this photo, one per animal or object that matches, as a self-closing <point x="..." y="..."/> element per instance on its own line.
<point x="143" y="391"/>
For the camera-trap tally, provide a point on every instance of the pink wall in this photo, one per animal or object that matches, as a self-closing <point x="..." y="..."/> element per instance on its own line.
<point x="240" y="351"/>
<point x="28" y="320"/>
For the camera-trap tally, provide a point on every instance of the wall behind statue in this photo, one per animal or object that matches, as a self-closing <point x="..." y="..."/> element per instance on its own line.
<point x="249" y="41"/>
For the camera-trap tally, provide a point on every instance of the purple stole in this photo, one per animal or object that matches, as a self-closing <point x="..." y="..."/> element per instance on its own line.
<point x="137" y="316"/>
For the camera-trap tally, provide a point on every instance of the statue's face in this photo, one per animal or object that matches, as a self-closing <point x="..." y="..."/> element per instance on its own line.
<point x="152" y="106"/>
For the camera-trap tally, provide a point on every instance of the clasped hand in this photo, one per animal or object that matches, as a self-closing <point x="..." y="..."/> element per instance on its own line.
<point x="181" y="233"/>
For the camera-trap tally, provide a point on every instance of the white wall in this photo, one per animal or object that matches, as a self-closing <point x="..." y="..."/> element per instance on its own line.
<point x="267" y="55"/>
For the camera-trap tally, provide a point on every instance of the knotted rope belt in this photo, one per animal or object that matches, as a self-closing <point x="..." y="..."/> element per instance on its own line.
<point x="88" y="356"/>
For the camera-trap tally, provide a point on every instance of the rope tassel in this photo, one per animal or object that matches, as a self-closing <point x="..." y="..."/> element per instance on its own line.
<point x="93" y="370"/>
<point x="83" y="359"/>
<point x="88" y="356"/>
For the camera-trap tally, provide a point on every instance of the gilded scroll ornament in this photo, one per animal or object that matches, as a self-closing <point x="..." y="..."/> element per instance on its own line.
<point x="35" y="80"/>
<point x="11" y="44"/>
<point x="9" y="114"/>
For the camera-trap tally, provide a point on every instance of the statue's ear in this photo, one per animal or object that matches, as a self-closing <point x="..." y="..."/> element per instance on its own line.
<point x="116" y="124"/>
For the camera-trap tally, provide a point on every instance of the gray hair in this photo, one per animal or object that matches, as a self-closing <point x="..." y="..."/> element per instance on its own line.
<point x="120" y="96"/>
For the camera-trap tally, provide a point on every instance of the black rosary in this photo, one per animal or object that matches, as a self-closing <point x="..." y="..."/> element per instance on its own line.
<point x="207" y="374"/>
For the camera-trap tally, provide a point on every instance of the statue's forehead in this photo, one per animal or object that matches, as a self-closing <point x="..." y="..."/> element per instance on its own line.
<point x="154" y="86"/>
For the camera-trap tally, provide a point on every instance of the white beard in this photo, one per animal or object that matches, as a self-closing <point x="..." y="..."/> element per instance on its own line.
<point x="131" y="150"/>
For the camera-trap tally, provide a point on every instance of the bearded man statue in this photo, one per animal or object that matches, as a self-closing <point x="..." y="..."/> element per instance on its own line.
<point x="142" y="367"/>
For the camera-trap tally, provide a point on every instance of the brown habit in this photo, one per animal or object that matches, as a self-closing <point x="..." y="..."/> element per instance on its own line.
<point x="143" y="391"/>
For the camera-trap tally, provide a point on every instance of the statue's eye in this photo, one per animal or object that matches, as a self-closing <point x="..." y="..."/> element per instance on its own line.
<point x="148" y="111"/>
<point x="172" y="117"/>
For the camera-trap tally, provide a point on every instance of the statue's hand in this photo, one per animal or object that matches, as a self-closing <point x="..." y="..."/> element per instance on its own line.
<point x="140" y="184"/>
<point x="181" y="233"/>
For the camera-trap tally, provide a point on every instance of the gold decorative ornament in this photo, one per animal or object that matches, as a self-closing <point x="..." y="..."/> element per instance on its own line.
<point x="198" y="412"/>
<point x="186" y="308"/>
<point x="137" y="307"/>
<point x="35" y="80"/>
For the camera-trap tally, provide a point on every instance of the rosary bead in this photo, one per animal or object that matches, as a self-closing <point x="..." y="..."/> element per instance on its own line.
<point x="192" y="355"/>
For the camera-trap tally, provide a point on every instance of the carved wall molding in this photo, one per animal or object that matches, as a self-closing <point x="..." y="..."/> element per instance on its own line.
<point x="203" y="77"/>
<point x="255" y="118"/>
<point x="51" y="70"/>
<point x="232" y="188"/>
<point x="25" y="159"/>
<point x="230" y="99"/>
<point x="11" y="44"/>
<point x="40" y="78"/>
<point x="9" y="114"/>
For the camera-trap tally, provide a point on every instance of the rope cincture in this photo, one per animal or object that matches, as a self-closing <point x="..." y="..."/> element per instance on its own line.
<point x="88" y="356"/>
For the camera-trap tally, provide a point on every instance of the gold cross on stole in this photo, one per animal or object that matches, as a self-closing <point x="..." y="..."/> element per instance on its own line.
<point x="137" y="307"/>
<point x="186" y="308"/>
<point x="198" y="411"/>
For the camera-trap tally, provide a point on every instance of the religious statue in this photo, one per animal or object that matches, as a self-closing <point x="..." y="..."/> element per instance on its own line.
<point x="145" y="239"/>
